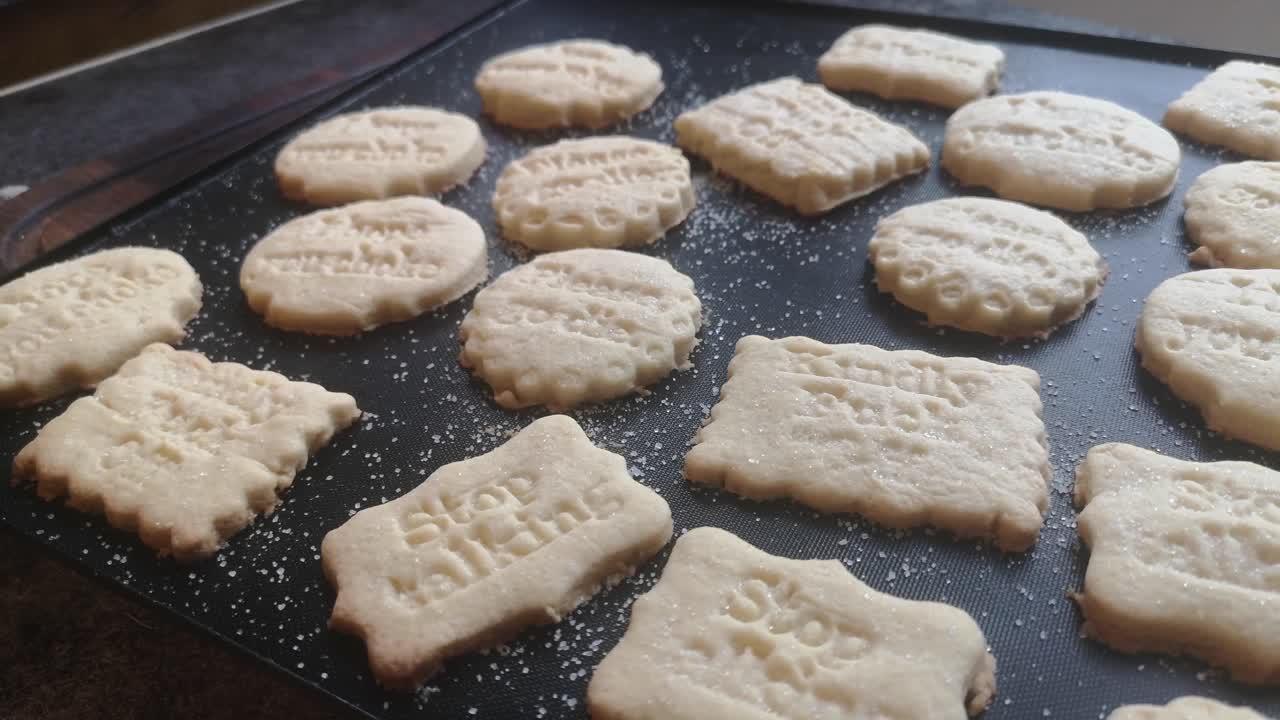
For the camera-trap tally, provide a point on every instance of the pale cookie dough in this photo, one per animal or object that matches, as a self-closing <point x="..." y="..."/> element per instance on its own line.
<point x="571" y="83"/>
<point x="731" y="631"/>
<point x="1185" y="708"/>
<point x="989" y="266"/>
<point x="1233" y="214"/>
<point x="800" y="144"/>
<point x="902" y="437"/>
<point x="598" y="192"/>
<point x="1213" y="336"/>
<point x="911" y="64"/>
<point x="1184" y="558"/>
<point x="72" y="324"/>
<point x="1236" y="106"/>
<point x="485" y="547"/>
<point x="1061" y="150"/>
<point x="353" y="268"/>
<point x="580" y="326"/>
<point x="380" y="153"/>
<point x="183" y="451"/>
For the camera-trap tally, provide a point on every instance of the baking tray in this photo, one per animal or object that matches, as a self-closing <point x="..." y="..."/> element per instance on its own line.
<point x="758" y="269"/>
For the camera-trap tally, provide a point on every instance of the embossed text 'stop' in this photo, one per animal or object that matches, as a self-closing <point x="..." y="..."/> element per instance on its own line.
<point x="487" y="546"/>
<point x="903" y="437"/>
<point x="72" y="324"/>
<point x="800" y="144"/>
<point x="1237" y="106"/>
<point x="733" y="632"/>
<point x="595" y="192"/>
<point x="1214" y="337"/>
<point x="1184" y="558"/>
<point x="1061" y="150"/>
<point x="909" y="64"/>
<point x="586" y="83"/>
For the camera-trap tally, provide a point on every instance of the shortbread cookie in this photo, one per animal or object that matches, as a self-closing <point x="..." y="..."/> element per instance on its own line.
<point x="1214" y="337"/>
<point x="731" y="631"/>
<point x="183" y="451"/>
<point x="912" y="64"/>
<point x="580" y="326"/>
<point x="990" y="266"/>
<point x="379" y="154"/>
<point x="1236" y="106"/>
<point x="1233" y="214"/>
<point x="353" y="268"/>
<point x="488" y="546"/>
<point x="800" y="144"/>
<point x="72" y="324"/>
<point x="572" y="83"/>
<point x="903" y="437"/>
<point x="1183" y="558"/>
<point x="597" y="192"/>
<point x="1185" y="708"/>
<point x="1061" y="150"/>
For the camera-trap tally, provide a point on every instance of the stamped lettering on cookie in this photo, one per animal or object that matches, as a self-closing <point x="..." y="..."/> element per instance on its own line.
<point x="597" y="192"/>
<point x="380" y="153"/>
<point x="1233" y="214"/>
<point x="902" y="437"/>
<point x="910" y="64"/>
<point x="353" y="268"/>
<point x="580" y="326"/>
<point x="800" y="144"/>
<point x="183" y="451"/>
<point x="1236" y="106"/>
<point x="1182" y="558"/>
<point x="990" y="266"/>
<point x="1061" y="150"/>
<point x="72" y="324"/>
<point x="488" y="546"/>
<point x="733" y="632"/>
<point x="1213" y="336"/>
<point x="573" y="83"/>
<point x="1185" y="708"/>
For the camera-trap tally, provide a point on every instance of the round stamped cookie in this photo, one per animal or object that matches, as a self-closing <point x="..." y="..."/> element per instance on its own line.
<point x="380" y="153"/>
<point x="1061" y="150"/>
<point x="353" y="268"/>
<point x="72" y="324"/>
<point x="572" y="83"/>
<point x="597" y="192"/>
<point x="580" y="326"/>
<point x="990" y="266"/>
<point x="1214" y="337"/>
<point x="1233" y="214"/>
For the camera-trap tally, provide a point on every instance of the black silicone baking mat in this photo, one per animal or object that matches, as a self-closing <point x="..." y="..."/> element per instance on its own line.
<point x="759" y="269"/>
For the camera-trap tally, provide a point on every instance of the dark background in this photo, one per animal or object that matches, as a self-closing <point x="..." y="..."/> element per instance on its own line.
<point x="71" y="649"/>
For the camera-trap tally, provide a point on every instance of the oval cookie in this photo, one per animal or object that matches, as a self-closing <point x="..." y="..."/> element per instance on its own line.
<point x="597" y="192"/>
<point x="1236" y="106"/>
<point x="1233" y="214"/>
<point x="353" y="268"/>
<point x="72" y="324"/>
<point x="572" y="83"/>
<point x="910" y="64"/>
<point x="1061" y="150"/>
<point x="1188" y="707"/>
<point x="1214" y="337"/>
<point x="989" y="266"/>
<point x="580" y="326"/>
<point x="379" y="154"/>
